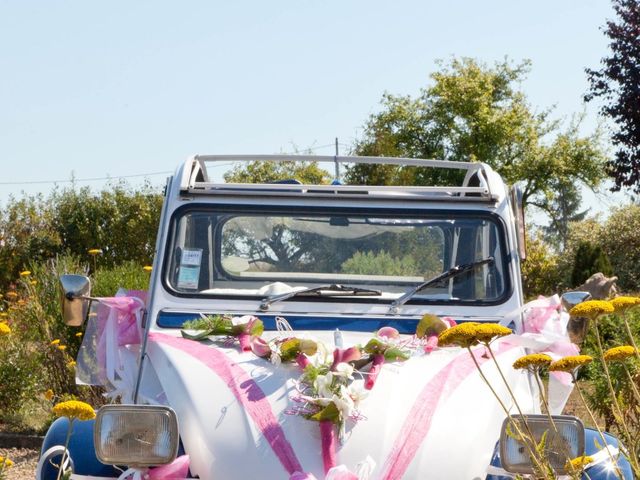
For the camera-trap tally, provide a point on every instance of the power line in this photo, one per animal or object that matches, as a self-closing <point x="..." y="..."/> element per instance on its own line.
<point x="93" y="179"/>
<point x="137" y="175"/>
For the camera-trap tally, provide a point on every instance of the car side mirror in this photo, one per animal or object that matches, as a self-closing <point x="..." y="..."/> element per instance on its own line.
<point x="75" y="299"/>
<point x="577" y="327"/>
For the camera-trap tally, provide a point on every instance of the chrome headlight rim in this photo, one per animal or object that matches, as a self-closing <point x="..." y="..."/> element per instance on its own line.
<point x="129" y="409"/>
<point x="559" y="420"/>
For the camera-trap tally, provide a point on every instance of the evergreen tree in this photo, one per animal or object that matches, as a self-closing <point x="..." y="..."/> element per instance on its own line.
<point x="589" y="259"/>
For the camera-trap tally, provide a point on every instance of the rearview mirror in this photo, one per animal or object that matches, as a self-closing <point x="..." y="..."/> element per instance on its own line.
<point x="577" y="327"/>
<point x="75" y="300"/>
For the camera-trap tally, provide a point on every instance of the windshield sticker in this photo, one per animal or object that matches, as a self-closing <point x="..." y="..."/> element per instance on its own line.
<point x="189" y="273"/>
<point x="192" y="257"/>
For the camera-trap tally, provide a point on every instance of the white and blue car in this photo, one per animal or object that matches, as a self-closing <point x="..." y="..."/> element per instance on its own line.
<point x="333" y="264"/>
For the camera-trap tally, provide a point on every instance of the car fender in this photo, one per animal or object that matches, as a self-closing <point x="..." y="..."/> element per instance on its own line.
<point x="81" y="450"/>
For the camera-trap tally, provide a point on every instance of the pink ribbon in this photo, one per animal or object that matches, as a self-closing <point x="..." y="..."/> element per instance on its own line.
<point x="117" y="325"/>
<point x="418" y="421"/>
<point x="543" y="317"/>
<point x="374" y="371"/>
<point x="245" y="390"/>
<point x="176" y="470"/>
<point x="328" y="438"/>
<point x="432" y="340"/>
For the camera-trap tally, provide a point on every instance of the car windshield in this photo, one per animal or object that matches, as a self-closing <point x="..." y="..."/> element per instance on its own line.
<point x="261" y="254"/>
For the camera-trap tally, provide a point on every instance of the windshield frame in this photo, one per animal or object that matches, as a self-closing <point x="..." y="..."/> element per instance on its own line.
<point x="376" y="212"/>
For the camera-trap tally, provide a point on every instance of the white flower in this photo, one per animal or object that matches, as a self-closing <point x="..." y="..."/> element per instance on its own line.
<point x="357" y="392"/>
<point x="344" y="370"/>
<point x="344" y="403"/>
<point x="275" y="358"/>
<point x="321" y="356"/>
<point x="241" y="320"/>
<point x="322" y="385"/>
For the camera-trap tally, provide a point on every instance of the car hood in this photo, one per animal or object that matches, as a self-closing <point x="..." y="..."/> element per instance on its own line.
<point x="429" y="417"/>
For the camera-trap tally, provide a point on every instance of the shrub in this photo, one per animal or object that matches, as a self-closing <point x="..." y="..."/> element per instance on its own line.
<point x="541" y="274"/>
<point x="39" y="352"/>
<point x="589" y="259"/>
<point x="380" y="263"/>
<point x="620" y="240"/>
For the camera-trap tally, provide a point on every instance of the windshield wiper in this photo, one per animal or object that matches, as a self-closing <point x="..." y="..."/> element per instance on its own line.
<point x="449" y="274"/>
<point x="333" y="290"/>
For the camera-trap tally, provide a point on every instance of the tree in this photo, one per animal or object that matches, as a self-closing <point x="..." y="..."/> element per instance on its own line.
<point x="473" y="112"/>
<point x="120" y="220"/>
<point x="563" y="209"/>
<point x="589" y="259"/>
<point x="266" y="172"/>
<point x="617" y="85"/>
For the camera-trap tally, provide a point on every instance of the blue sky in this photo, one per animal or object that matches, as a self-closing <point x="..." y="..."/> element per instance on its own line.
<point x="118" y="88"/>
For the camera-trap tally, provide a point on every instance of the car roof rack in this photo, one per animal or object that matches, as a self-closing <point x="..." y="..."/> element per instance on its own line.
<point x="195" y="179"/>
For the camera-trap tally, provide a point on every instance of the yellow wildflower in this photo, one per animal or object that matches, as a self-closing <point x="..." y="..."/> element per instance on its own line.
<point x="73" y="409"/>
<point x="62" y="348"/>
<point x="462" y="335"/>
<point x="591" y="309"/>
<point x="621" y="304"/>
<point x="471" y="333"/>
<point x="619" y="354"/>
<point x="570" y="363"/>
<point x="578" y="463"/>
<point x="55" y="342"/>
<point x="11" y="295"/>
<point x="71" y="363"/>
<point x="488" y="331"/>
<point x="533" y="361"/>
<point x="33" y="282"/>
<point x="147" y="268"/>
<point x="25" y="273"/>
<point x="4" y="329"/>
<point x="5" y="463"/>
<point x="48" y="394"/>
<point x="94" y="251"/>
<point x="79" y="334"/>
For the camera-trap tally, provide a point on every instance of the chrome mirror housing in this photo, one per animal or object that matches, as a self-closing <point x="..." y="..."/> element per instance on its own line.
<point x="577" y="327"/>
<point x="74" y="298"/>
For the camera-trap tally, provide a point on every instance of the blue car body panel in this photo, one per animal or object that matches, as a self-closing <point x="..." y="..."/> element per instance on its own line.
<point x="81" y="449"/>
<point x="593" y="444"/>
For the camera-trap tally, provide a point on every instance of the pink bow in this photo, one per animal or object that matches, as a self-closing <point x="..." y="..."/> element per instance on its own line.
<point x="176" y="470"/>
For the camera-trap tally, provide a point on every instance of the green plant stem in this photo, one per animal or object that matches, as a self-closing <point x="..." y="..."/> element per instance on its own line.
<point x="66" y="446"/>
<point x="630" y="335"/>
<point x="616" y="404"/>
<point x="536" y="374"/>
<point x="595" y="424"/>
<point x="636" y="393"/>
<point x="506" y="383"/>
<point x="532" y="452"/>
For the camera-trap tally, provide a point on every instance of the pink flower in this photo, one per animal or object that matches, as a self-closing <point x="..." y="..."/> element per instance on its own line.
<point x="260" y="347"/>
<point x="432" y="343"/>
<point x="374" y="371"/>
<point x="345" y="355"/>
<point x="388" y="332"/>
<point x="450" y="321"/>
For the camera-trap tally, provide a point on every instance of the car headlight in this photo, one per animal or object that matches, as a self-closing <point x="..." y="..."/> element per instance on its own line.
<point x="562" y="443"/>
<point x="140" y="435"/>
